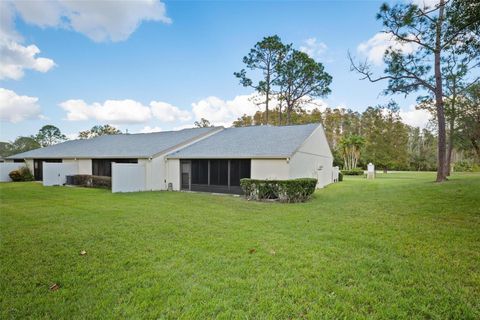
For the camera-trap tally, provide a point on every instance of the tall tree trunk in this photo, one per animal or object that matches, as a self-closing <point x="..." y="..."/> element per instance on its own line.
<point x="476" y="147"/>
<point x="266" y="107"/>
<point x="450" y="144"/>
<point x="439" y="99"/>
<point x="288" y="114"/>
<point x="267" y="98"/>
<point x="280" y="114"/>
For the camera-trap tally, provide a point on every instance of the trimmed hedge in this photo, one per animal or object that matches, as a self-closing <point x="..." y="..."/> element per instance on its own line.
<point x="86" y="180"/>
<point x="21" y="174"/>
<point x="352" y="172"/>
<point x="293" y="190"/>
<point x="340" y="177"/>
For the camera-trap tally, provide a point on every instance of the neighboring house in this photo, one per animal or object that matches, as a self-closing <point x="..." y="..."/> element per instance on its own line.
<point x="202" y="159"/>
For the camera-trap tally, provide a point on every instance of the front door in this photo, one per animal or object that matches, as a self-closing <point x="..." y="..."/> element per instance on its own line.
<point x="185" y="174"/>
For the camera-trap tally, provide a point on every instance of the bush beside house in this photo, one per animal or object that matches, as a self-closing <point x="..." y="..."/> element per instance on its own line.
<point x="293" y="190"/>
<point x="86" y="180"/>
<point x="21" y="174"/>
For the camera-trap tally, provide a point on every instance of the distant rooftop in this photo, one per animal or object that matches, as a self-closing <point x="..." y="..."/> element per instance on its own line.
<point x="141" y="145"/>
<point x="249" y="142"/>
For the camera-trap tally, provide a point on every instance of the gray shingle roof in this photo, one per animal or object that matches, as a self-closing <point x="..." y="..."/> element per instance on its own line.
<point x="141" y="145"/>
<point x="249" y="142"/>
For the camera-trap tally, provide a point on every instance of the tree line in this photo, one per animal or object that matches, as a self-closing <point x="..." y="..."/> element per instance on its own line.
<point x="375" y="135"/>
<point x="443" y="68"/>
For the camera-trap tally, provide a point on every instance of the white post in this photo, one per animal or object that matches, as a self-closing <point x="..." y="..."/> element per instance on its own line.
<point x="371" y="171"/>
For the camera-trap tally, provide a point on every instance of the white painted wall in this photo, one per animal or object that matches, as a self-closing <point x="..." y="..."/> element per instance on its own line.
<point x="271" y="169"/>
<point x="6" y="168"/>
<point x="54" y="174"/>
<point x="313" y="159"/>
<point x="84" y="166"/>
<point x="128" y="177"/>
<point x="29" y="163"/>
<point x="155" y="173"/>
<point x="173" y="173"/>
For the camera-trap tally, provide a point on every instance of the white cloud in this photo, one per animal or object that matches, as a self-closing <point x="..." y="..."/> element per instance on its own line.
<point x="7" y="21"/>
<point x="40" y="13"/>
<point x="112" y="111"/>
<point x="123" y="111"/>
<point x="223" y="112"/>
<point x="375" y="47"/>
<point x="415" y="118"/>
<point x="148" y="129"/>
<point x="167" y="113"/>
<point x="15" y="108"/>
<point x="313" y="48"/>
<point x="316" y="104"/>
<point x="17" y="58"/>
<point x="98" y="20"/>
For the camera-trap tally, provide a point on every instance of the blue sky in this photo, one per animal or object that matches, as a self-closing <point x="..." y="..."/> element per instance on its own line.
<point x="173" y="64"/>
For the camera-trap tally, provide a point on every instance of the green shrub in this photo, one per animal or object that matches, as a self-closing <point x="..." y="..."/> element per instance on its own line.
<point x="340" y="177"/>
<point x="21" y="174"/>
<point x="86" y="180"/>
<point x="293" y="190"/>
<point x="353" y="172"/>
<point x="102" y="182"/>
<point x="15" y="175"/>
<point x="466" y="166"/>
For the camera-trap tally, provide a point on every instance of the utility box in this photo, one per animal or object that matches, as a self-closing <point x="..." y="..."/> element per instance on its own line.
<point x="70" y="180"/>
<point x="370" y="171"/>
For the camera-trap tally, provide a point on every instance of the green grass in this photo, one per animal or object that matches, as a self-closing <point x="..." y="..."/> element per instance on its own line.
<point x="398" y="247"/>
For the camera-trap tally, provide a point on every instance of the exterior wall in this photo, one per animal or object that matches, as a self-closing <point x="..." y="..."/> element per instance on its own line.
<point x="84" y="166"/>
<point x="128" y="177"/>
<point x="272" y="169"/>
<point x="304" y="165"/>
<point x="173" y="173"/>
<point x="29" y="164"/>
<point x="155" y="173"/>
<point x="6" y="168"/>
<point x="54" y="174"/>
<point x="313" y="160"/>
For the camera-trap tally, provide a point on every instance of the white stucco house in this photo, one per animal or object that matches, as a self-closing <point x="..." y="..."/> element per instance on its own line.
<point x="202" y="159"/>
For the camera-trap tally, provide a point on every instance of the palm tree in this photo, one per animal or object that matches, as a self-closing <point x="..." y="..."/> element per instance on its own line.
<point x="350" y="147"/>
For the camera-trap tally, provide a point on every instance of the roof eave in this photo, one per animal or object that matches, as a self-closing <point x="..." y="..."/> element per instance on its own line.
<point x="231" y="157"/>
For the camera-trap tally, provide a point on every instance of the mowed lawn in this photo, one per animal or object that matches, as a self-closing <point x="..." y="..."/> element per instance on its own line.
<point x="399" y="247"/>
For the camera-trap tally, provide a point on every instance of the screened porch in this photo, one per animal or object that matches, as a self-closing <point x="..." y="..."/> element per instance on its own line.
<point x="214" y="175"/>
